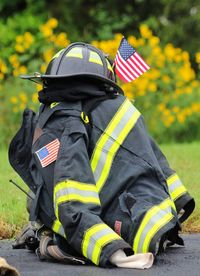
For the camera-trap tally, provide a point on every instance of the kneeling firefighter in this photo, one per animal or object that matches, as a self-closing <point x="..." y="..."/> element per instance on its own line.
<point x="101" y="183"/>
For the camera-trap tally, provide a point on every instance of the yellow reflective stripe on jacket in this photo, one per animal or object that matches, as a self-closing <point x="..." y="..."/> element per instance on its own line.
<point x="110" y="141"/>
<point x="75" y="191"/>
<point x="58" y="228"/>
<point x="155" y="218"/>
<point x="95" y="239"/>
<point x="176" y="188"/>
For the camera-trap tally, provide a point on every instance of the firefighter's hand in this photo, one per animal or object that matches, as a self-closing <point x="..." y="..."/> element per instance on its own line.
<point x="139" y="261"/>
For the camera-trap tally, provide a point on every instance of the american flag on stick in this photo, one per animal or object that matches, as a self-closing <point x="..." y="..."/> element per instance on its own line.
<point x="129" y="65"/>
<point x="48" y="153"/>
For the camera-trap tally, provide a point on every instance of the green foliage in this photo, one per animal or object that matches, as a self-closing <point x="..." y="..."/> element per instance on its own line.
<point x="171" y="20"/>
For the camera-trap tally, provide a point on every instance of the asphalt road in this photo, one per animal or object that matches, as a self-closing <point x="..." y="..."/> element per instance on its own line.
<point x="184" y="261"/>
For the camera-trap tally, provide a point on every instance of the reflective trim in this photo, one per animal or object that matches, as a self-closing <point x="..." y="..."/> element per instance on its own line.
<point x="75" y="191"/>
<point x="109" y="66"/>
<point x="155" y="218"/>
<point x="75" y="52"/>
<point x="110" y="141"/>
<point x="95" y="239"/>
<point x="54" y="104"/>
<point x="58" y="228"/>
<point x="57" y="54"/>
<point x="176" y="188"/>
<point x="94" y="57"/>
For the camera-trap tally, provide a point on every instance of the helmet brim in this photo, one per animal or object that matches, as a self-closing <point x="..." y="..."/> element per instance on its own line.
<point x="44" y="79"/>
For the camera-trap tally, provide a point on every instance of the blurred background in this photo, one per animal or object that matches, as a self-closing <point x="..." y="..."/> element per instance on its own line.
<point x="165" y="33"/>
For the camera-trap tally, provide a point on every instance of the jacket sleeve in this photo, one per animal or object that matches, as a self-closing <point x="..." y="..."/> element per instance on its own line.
<point x="76" y="200"/>
<point x="177" y="190"/>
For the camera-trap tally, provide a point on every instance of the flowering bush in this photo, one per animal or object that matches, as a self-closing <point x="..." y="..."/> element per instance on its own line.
<point x="168" y="95"/>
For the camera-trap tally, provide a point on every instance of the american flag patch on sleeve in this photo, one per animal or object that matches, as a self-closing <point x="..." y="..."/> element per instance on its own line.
<point x="48" y="153"/>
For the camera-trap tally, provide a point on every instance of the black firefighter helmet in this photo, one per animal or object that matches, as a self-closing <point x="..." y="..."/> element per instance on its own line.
<point x="78" y="61"/>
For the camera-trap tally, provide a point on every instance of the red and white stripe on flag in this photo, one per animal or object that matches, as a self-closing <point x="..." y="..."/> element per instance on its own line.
<point x="129" y="65"/>
<point x="48" y="153"/>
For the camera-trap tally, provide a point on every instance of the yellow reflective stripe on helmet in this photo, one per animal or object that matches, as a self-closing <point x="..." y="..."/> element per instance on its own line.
<point x="109" y="66"/>
<point x="57" y="54"/>
<point x="110" y="141"/>
<point x="58" y="228"/>
<point x="176" y="188"/>
<point x="75" y="191"/>
<point x="155" y="218"/>
<point x="75" y="52"/>
<point x="95" y="239"/>
<point x="94" y="57"/>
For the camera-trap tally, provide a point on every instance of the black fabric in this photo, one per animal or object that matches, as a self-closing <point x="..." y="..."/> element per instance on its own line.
<point x="20" y="148"/>
<point x="74" y="91"/>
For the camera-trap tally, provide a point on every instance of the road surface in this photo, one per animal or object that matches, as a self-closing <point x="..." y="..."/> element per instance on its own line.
<point x="183" y="261"/>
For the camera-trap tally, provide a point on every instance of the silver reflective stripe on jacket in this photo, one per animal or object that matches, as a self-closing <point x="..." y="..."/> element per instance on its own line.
<point x="109" y="142"/>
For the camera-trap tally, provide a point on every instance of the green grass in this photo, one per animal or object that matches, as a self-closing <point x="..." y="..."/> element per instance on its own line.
<point x="184" y="158"/>
<point x="12" y="200"/>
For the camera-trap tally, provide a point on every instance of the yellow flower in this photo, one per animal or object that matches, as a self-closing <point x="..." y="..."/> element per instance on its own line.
<point x="195" y="107"/>
<point x="181" y="117"/>
<point x="23" y="97"/>
<point x="169" y="120"/>
<point x="48" y="54"/>
<point x="15" y="109"/>
<point x="161" y="107"/>
<point x="178" y="58"/>
<point x="35" y="98"/>
<point x="13" y="58"/>
<point x="197" y="56"/>
<point x="16" y="72"/>
<point x="195" y="83"/>
<point x="187" y="111"/>
<point x="1" y="76"/>
<point x="3" y="67"/>
<point x="19" y="39"/>
<point x="38" y="87"/>
<point x="43" y="68"/>
<point x="152" y="87"/>
<point x="170" y="51"/>
<point x="140" y="42"/>
<point x="52" y="23"/>
<point x="166" y="79"/>
<point x="153" y="41"/>
<point x="166" y="112"/>
<point x="133" y="41"/>
<point x="22" y="106"/>
<point x="61" y="40"/>
<point x="13" y="100"/>
<point x="19" y="48"/>
<point x="28" y="38"/>
<point x="46" y="30"/>
<point x="188" y="90"/>
<point x="176" y="109"/>
<point x="145" y="31"/>
<point x="22" y="69"/>
<point x="186" y="73"/>
<point x="185" y="56"/>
